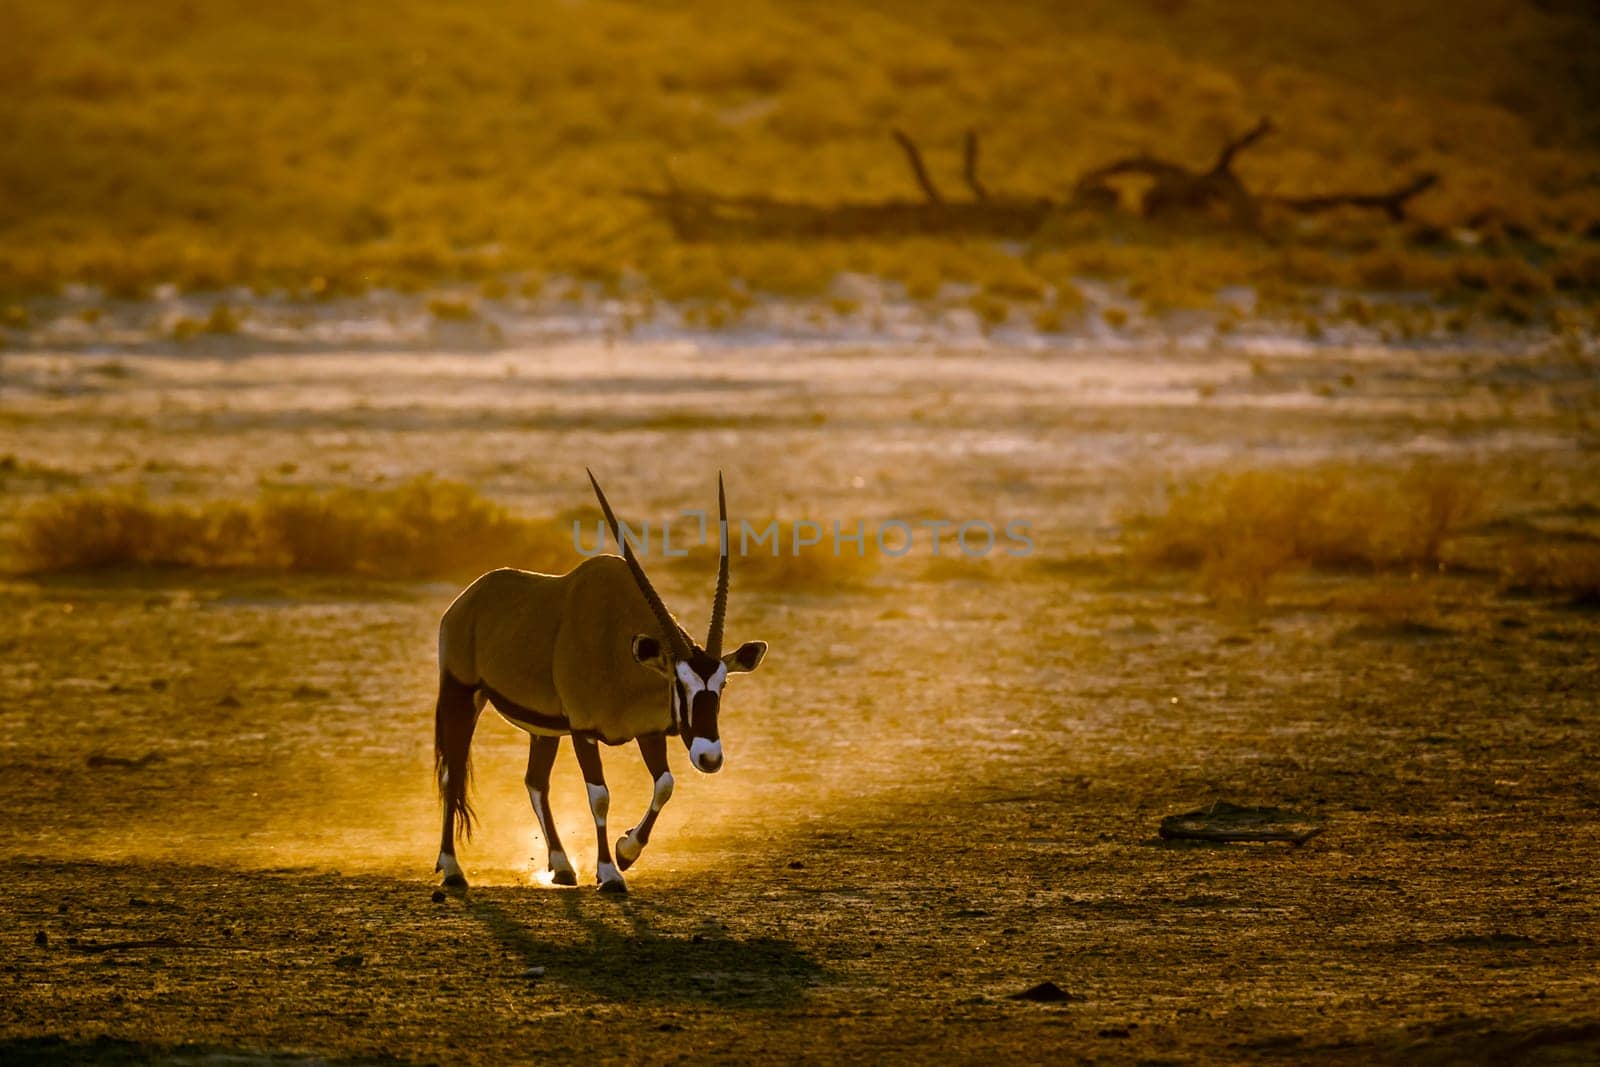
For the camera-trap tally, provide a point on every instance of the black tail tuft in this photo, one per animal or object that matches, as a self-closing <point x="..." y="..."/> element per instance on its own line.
<point x="453" y="722"/>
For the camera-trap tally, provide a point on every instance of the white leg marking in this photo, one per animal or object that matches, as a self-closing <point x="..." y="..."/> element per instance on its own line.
<point x="448" y="866"/>
<point x="599" y="803"/>
<point x="628" y="848"/>
<point x="606" y="873"/>
<point x="557" y="863"/>
<point x="663" y="791"/>
<point x="536" y="798"/>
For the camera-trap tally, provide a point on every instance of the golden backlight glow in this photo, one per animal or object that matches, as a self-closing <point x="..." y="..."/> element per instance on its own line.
<point x="1123" y="408"/>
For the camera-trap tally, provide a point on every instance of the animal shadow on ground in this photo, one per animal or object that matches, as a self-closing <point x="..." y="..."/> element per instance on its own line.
<point x="635" y="961"/>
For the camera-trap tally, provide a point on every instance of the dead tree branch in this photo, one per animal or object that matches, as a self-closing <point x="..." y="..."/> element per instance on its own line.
<point x="1178" y="191"/>
<point x="969" y="166"/>
<point x="1175" y="193"/>
<point x="1224" y="163"/>
<point x="1392" y="203"/>
<point x="914" y="157"/>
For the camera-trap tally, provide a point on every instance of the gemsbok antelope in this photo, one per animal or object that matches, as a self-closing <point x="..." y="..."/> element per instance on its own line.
<point x="594" y="655"/>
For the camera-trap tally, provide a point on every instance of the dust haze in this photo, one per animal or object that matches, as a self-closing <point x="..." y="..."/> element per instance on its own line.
<point x="941" y="788"/>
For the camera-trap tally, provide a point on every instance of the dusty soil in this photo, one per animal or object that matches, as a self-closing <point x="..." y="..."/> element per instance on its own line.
<point x="941" y="789"/>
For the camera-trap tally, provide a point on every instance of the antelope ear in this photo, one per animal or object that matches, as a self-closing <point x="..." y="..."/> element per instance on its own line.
<point x="746" y="658"/>
<point x="647" y="651"/>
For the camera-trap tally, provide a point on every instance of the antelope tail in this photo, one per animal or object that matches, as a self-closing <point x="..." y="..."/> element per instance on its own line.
<point x="454" y="720"/>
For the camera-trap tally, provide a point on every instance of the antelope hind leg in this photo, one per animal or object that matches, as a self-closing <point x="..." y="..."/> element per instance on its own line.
<point x="455" y="720"/>
<point x="541" y="756"/>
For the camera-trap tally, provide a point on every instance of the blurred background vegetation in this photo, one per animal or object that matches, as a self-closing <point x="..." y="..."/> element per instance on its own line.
<point x="324" y="149"/>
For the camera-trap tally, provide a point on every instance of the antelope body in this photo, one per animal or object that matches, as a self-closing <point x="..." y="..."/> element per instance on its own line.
<point x="592" y="654"/>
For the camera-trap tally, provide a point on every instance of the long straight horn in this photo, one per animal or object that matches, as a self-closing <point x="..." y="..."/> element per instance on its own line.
<point x="669" y="625"/>
<point x="719" y="606"/>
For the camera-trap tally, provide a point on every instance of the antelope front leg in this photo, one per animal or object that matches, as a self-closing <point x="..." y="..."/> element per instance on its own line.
<point x="653" y="747"/>
<point x="594" y="777"/>
<point x="541" y="756"/>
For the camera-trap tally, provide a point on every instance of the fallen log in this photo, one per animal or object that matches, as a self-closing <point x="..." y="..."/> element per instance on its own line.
<point x="1176" y="192"/>
<point x="700" y="216"/>
<point x="704" y="217"/>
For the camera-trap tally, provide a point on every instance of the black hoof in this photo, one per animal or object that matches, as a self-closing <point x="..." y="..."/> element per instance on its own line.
<point x="455" y="881"/>
<point x="623" y="862"/>
<point x="618" y="886"/>
<point x="563" y="878"/>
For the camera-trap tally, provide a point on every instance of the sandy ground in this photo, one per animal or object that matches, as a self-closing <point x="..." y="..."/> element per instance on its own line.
<point x="941" y="789"/>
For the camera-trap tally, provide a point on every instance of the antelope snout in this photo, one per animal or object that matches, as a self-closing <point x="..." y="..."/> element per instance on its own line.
<point x="706" y="755"/>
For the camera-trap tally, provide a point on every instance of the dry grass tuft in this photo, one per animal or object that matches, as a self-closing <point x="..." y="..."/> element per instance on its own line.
<point x="447" y="310"/>
<point x="84" y="531"/>
<point x="1241" y="530"/>
<point x="420" y="529"/>
<point x="222" y="322"/>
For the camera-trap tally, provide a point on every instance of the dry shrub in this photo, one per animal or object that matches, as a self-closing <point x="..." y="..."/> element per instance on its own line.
<point x="223" y="321"/>
<point x="421" y="528"/>
<point x="446" y="309"/>
<point x="1049" y="319"/>
<point x="1440" y="501"/>
<point x="1241" y="530"/>
<point x="991" y="310"/>
<point x="83" y="531"/>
